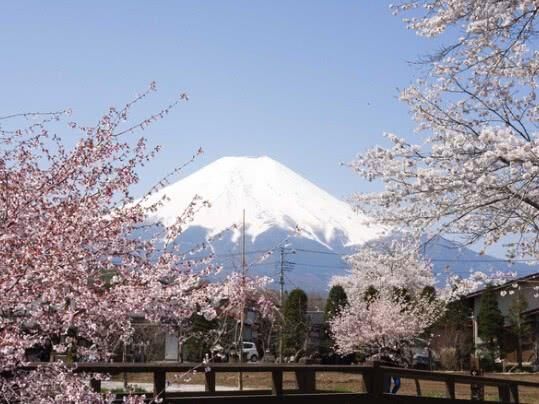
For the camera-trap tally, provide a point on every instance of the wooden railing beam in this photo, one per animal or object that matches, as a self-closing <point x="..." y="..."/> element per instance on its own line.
<point x="373" y="377"/>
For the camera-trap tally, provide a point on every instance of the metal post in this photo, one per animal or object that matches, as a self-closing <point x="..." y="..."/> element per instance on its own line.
<point x="242" y="313"/>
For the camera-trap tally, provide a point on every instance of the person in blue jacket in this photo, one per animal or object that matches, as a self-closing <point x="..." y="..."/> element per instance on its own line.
<point x="391" y="358"/>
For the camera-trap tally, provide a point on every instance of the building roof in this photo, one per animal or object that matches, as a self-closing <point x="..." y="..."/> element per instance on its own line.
<point x="531" y="312"/>
<point x="527" y="278"/>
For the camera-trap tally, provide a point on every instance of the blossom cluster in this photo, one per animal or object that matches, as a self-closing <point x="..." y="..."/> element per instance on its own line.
<point x="390" y="297"/>
<point x="79" y="254"/>
<point x="474" y="175"/>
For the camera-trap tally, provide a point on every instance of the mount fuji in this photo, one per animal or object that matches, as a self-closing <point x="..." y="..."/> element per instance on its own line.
<point x="273" y="197"/>
<point x="283" y="209"/>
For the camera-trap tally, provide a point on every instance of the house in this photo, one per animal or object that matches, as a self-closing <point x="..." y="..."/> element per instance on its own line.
<point x="528" y="289"/>
<point x="253" y="331"/>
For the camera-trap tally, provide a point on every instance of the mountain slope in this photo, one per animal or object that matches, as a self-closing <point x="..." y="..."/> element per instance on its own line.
<point x="273" y="196"/>
<point x="276" y="201"/>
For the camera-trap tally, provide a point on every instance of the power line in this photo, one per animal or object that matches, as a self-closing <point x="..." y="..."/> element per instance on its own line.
<point x="493" y="260"/>
<point x="485" y="260"/>
<point x="319" y="252"/>
<point x="488" y="260"/>
<point x="304" y="264"/>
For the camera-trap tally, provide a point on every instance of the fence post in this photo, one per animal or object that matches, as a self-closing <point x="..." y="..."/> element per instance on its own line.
<point x="450" y="386"/>
<point x="210" y="381"/>
<point x="277" y="382"/>
<point x="95" y="385"/>
<point x="514" y="392"/>
<point x="504" y="393"/>
<point x="417" y="387"/>
<point x="159" y="383"/>
<point x="377" y="383"/>
<point x="368" y="380"/>
<point x="306" y="380"/>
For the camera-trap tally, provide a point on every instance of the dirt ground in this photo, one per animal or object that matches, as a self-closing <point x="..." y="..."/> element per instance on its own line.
<point x="342" y="382"/>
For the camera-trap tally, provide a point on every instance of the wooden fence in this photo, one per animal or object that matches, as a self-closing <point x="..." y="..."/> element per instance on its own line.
<point x="374" y="377"/>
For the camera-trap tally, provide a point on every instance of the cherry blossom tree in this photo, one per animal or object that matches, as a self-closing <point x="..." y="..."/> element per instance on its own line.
<point x="389" y="300"/>
<point x="75" y="263"/>
<point x="383" y="321"/>
<point x="387" y="264"/>
<point x="474" y="175"/>
<point x="458" y="286"/>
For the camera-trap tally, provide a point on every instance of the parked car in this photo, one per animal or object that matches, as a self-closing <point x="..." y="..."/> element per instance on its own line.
<point x="250" y="352"/>
<point x="424" y="361"/>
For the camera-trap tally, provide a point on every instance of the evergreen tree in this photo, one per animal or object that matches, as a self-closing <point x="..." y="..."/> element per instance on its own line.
<point x="295" y="322"/>
<point x="336" y="300"/>
<point x="490" y="321"/>
<point x="518" y="325"/>
<point x="457" y="313"/>
<point x="428" y="292"/>
<point x="370" y="293"/>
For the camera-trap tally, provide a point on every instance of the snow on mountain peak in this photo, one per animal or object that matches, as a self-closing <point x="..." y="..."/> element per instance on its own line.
<point x="272" y="196"/>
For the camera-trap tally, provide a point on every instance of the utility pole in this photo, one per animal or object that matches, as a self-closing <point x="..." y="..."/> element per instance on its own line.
<point x="281" y="277"/>
<point x="281" y="298"/>
<point x="285" y="265"/>
<point x="242" y="313"/>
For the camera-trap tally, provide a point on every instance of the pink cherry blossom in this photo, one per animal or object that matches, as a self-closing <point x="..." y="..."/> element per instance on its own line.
<point x="79" y="254"/>
<point x="397" y="310"/>
<point x="473" y="171"/>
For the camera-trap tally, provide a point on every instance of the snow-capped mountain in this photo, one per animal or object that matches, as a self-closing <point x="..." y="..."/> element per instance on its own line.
<point x="273" y="197"/>
<point x="278" y="202"/>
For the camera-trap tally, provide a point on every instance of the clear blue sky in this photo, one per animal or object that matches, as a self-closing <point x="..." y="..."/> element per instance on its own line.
<point x="309" y="83"/>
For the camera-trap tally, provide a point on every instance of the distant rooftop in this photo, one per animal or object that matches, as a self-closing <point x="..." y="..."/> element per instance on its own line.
<point x="527" y="278"/>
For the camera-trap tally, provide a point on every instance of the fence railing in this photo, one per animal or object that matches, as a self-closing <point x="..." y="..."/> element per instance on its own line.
<point x="375" y="381"/>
